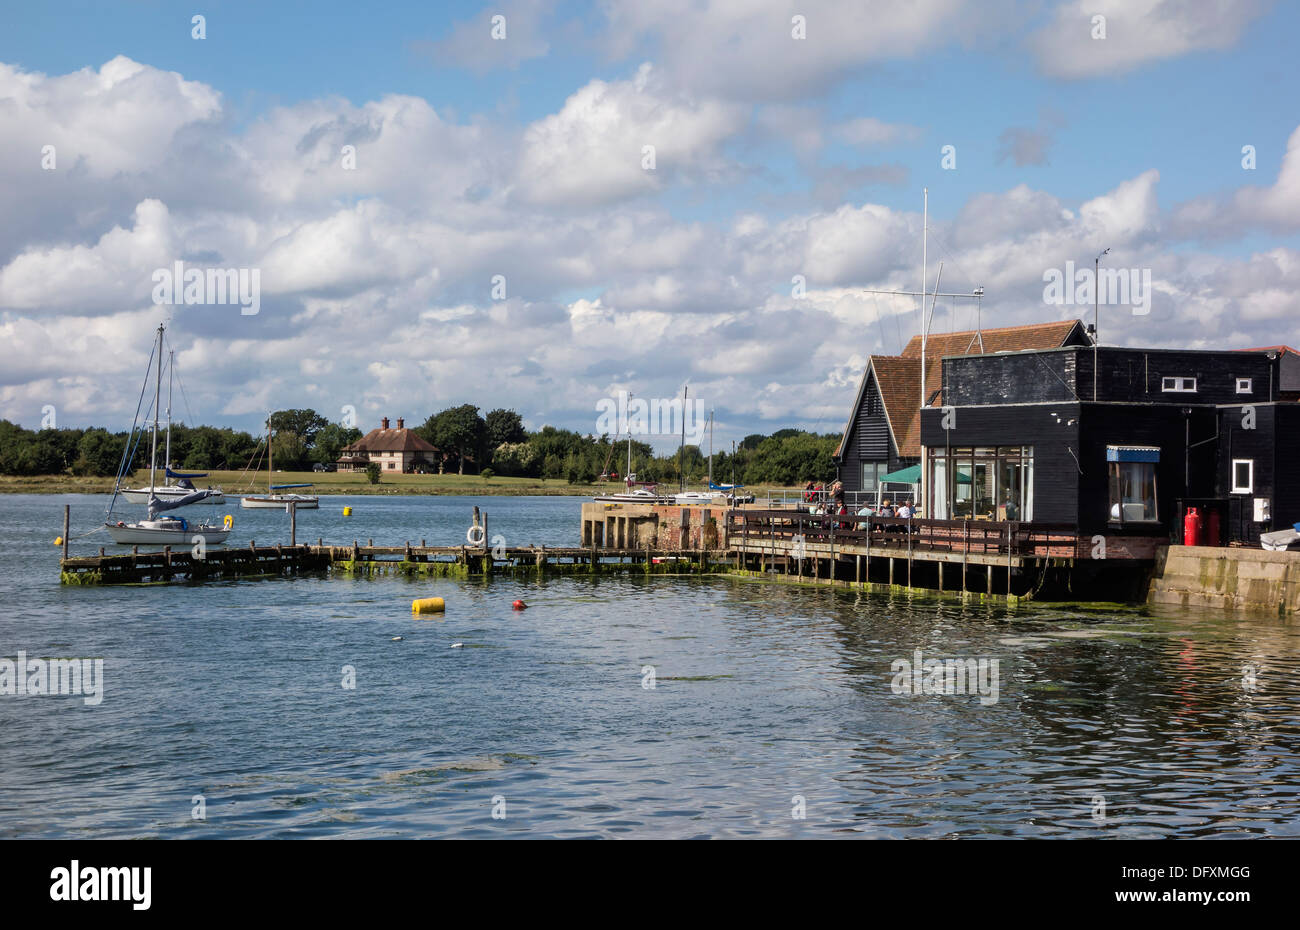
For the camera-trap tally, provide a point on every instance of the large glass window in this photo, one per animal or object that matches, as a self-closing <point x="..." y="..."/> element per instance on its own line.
<point x="1133" y="483"/>
<point x="981" y="483"/>
<point x="871" y="472"/>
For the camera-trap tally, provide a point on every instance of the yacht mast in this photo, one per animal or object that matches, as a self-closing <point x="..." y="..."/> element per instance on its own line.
<point x="157" y="398"/>
<point x="681" y="473"/>
<point x="171" y="364"/>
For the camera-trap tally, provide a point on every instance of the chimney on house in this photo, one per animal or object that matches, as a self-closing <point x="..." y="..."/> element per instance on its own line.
<point x="401" y="424"/>
<point x="383" y="424"/>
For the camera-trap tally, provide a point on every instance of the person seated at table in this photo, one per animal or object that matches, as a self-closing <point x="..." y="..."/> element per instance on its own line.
<point x="905" y="511"/>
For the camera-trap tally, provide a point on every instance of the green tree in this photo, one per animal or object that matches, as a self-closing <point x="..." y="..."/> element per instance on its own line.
<point x="98" y="453"/>
<point x="330" y="441"/>
<point x="504" y="426"/>
<point x="458" y="431"/>
<point x="372" y="472"/>
<point x="295" y="431"/>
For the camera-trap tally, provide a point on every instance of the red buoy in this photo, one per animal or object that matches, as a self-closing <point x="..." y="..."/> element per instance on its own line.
<point x="519" y="605"/>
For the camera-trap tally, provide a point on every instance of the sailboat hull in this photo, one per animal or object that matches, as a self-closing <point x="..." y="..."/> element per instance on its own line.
<point x="279" y="502"/>
<point x="148" y="532"/>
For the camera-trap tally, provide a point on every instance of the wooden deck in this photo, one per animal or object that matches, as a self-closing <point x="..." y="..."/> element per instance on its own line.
<point x="168" y="565"/>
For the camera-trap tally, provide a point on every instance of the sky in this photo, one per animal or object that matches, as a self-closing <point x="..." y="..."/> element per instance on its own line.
<point x="535" y="205"/>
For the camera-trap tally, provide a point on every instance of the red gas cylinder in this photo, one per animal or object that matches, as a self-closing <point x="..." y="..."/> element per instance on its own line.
<point x="1212" y="537"/>
<point x="1192" y="527"/>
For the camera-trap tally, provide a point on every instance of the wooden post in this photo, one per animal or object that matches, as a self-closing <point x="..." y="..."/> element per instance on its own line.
<point x="293" y="523"/>
<point x="908" y="530"/>
<point x="67" y="520"/>
<point x="857" y="572"/>
<point x="1008" y="560"/>
<point x="830" y="566"/>
<point x="891" y="571"/>
<point x="940" y="576"/>
<point x="867" y="574"/>
<point x="965" y="552"/>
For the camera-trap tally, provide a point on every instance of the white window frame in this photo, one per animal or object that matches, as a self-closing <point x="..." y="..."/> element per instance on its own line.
<point x="1180" y="383"/>
<point x="1245" y="386"/>
<point x="1250" y="487"/>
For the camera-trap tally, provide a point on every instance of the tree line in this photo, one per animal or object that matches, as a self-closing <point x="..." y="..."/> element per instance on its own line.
<point x="493" y="444"/>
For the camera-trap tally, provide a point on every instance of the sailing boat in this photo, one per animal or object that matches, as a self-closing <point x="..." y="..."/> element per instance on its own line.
<point x="272" y="500"/>
<point x="716" y="491"/>
<point x="171" y="492"/>
<point x="158" y="529"/>
<point x="638" y="492"/>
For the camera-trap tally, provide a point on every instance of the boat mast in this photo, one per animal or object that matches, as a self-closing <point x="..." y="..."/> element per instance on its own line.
<point x="270" y="457"/>
<point x="171" y="365"/>
<point x="627" y="475"/>
<point x="681" y="473"/>
<point x="157" y="398"/>
<point x="710" y="448"/>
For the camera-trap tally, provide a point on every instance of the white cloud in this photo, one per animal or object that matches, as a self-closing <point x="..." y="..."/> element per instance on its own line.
<point x="594" y="149"/>
<point x="1137" y="32"/>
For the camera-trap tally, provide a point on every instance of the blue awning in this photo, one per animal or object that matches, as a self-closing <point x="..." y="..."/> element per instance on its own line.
<point x="177" y="474"/>
<point x="1133" y="454"/>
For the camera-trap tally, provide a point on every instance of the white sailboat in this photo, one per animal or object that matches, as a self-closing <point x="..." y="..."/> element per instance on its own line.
<point x="634" y="494"/>
<point x="717" y="493"/>
<point x="156" y="529"/>
<point x="271" y="500"/>
<point x="184" y="486"/>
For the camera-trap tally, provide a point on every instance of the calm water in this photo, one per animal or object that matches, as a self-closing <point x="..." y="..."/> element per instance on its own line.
<point x="234" y="691"/>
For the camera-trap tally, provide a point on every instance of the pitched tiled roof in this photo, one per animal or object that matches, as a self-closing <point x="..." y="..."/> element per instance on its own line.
<point x="1002" y="339"/>
<point x="899" y="376"/>
<point x="1279" y="349"/>
<point x="390" y="440"/>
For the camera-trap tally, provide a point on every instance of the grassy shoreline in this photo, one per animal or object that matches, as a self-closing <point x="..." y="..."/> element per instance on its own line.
<point x="327" y="483"/>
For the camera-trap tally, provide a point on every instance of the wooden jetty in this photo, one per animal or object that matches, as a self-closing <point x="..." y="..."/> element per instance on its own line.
<point x="168" y="565"/>
<point x="984" y="557"/>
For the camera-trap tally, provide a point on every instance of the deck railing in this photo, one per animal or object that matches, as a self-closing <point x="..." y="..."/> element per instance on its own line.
<point x="855" y="500"/>
<point x="969" y="536"/>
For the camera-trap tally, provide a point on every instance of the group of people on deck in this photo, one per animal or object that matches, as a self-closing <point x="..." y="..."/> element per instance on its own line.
<point x="830" y="501"/>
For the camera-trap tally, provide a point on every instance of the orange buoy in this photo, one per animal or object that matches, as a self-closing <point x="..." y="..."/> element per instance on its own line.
<point x="519" y="605"/>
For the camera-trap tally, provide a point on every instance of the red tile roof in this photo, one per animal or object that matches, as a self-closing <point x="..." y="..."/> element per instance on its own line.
<point x="390" y="440"/>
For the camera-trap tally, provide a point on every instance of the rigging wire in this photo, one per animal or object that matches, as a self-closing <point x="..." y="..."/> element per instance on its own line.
<point x="128" y="453"/>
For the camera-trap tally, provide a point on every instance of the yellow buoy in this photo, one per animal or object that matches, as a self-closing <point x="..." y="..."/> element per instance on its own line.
<point x="347" y="511"/>
<point x="427" y="605"/>
<point x="58" y="540"/>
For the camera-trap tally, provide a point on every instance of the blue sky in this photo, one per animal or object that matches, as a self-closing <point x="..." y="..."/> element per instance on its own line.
<point x="777" y="158"/>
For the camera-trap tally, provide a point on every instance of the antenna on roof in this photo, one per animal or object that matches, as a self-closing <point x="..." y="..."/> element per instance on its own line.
<point x="978" y="294"/>
<point x="933" y="295"/>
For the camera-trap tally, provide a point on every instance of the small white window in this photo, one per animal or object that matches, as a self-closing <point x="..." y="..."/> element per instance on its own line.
<point x="1244" y="386"/>
<point x="1243" y="476"/>
<point x="1179" y="385"/>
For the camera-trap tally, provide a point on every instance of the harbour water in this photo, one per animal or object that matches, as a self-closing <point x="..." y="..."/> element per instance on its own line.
<point x="774" y="709"/>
